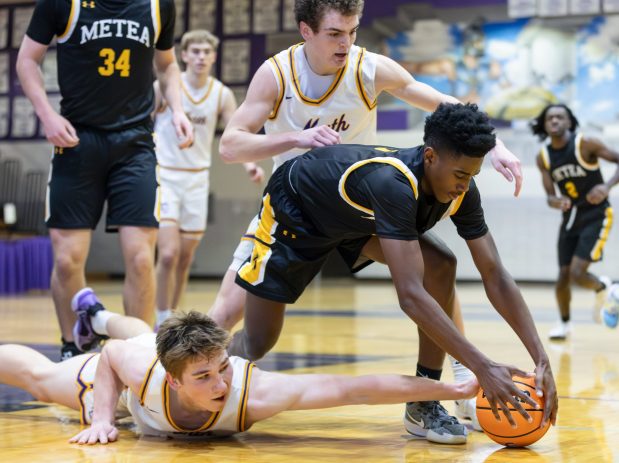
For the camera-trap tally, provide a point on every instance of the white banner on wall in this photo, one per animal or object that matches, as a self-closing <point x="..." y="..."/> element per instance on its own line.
<point x="4" y="28"/>
<point x="236" y="17"/>
<point x="584" y="7"/>
<point x="5" y="72"/>
<point x="50" y="71"/>
<point x="552" y="7"/>
<point x="521" y="8"/>
<point x="24" y="119"/>
<point x="4" y="116"/>
<point x="611" y="6"/>
<point x="202" y="14"/>
<point x="289" y="21"/>
<point x="235" y="60"/>
<point x="21" y="19"/>
<point x="266" y="16"/>
<point x="179" y="24"/>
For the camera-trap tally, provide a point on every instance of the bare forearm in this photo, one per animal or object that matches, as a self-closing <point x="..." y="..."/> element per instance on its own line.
<point x="323" y="391"/>
<point x="170" y="83"/>
<point x="239" y="146"/>
<point x="429" y="316"/>
<point x="31" y="79"/>
<point x="505" y="296"/>
<point x="107" y="390"/>
<point x="391" y="389"/>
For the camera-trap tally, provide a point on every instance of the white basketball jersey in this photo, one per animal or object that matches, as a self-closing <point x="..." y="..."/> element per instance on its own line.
<point x="202" y="108"/>
<point x="348" y="105"/>
<point x="151" y="412"/>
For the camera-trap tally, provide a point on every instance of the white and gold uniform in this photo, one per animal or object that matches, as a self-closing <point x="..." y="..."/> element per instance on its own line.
<point x="150" y="408"/>
<point x="184" y="173"/>
<point x="345" y="101"/>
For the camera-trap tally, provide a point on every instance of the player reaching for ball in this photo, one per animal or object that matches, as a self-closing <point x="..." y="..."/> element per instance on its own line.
<point x="184" y="383"/>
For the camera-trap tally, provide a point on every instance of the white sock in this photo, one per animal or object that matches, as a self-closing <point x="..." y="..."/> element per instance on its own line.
<point x="99" y="321"/>
<point x="461" y="373"/>
<point x="163" y="315"/>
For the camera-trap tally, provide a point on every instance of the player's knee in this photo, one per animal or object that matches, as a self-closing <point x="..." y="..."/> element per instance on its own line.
<point x="255" y="349"/>
<point x="577" y="275"/>
<point x="66" y="264"/>
<point x="447" y="266"/>
<point x="564" y="278"/>
<point x="141" y="262"/>
<point x="168" y="258"/>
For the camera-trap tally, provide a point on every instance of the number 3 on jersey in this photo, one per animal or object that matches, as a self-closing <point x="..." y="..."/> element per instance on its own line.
<point x="571" y="190"/>
<point x="111" y="64"/>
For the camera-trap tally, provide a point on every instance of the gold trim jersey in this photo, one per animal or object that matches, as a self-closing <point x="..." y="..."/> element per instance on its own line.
<point x="347" y="104"/>
<point x="202" y="107"/>
<point x="105" y="51"/>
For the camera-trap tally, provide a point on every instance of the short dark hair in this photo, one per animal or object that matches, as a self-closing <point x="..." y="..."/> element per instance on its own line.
<point x="537" y="124"/>
<point x="312" y="12"/>
<point x="187" y="337"/>
<point x="462" y="129"/>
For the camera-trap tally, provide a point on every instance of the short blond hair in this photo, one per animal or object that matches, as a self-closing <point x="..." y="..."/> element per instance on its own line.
<point x="187" y="337"/>
<point x="198" y="36"/>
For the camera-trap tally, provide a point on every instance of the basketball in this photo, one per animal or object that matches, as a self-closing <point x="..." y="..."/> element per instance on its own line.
<point x="524" y="433"/>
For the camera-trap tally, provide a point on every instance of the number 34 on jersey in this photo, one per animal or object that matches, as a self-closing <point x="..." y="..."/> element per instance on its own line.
<point x="113" y="62"/>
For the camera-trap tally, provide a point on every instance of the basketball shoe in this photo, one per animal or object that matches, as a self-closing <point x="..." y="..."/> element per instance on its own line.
<point x="466" y="410"/>
<point x="431" y="420"/>
<point x="85" y="304"/>
<point x="610" y="309"/>
<point x="561" y="331"/>
<point x="600" y="299"/>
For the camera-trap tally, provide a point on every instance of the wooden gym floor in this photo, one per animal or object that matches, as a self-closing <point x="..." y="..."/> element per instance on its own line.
<point x="347" y="327"/>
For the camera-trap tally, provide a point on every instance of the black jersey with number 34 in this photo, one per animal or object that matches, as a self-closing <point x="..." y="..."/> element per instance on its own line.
<point x="105" y="51"/>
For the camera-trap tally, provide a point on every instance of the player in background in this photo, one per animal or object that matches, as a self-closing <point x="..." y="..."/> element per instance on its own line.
<point x="184" y="173"/>
<point x="570" y="168"/>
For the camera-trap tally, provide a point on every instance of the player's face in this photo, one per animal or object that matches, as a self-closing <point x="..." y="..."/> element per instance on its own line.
<point x="331" y="43"/>
<point x="206" y="383"/>
<point x="199" y="58"/>
<point x="446" y="176"/>
<point x="557" y="121"/>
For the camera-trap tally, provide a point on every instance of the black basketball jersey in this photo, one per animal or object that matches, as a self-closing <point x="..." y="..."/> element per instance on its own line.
<point x="350" y="191"/>
<point x="574" y="176"/>
<point x="105" y="52"/>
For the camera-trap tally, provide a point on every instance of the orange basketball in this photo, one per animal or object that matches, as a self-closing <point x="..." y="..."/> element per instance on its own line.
<point x="524" y="433"/>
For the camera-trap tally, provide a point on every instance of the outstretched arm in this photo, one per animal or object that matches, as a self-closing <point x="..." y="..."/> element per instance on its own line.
<point x="392" y="78"/>
<point x="505" y="296"/>
<point x="241" y="142"/>
<point x="58" y="130"/>
<point x="272" y="393"/>
<point x="405" y="263"/>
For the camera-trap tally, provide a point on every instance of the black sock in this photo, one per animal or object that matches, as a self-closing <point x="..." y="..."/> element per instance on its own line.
<point x="565" y="319"/>
<point x="425" y="372"/>
<point x="68" y="350"/>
